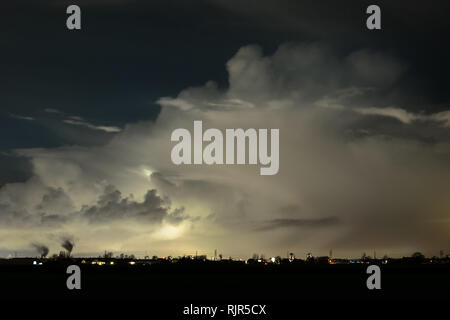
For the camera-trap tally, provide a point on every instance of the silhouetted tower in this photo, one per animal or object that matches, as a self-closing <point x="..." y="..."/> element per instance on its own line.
<point x="331" y="253"/>
<point x="215" y="254"/>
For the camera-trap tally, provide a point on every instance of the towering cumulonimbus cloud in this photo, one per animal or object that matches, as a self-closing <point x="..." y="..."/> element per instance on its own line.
<point x="355" y="162"/>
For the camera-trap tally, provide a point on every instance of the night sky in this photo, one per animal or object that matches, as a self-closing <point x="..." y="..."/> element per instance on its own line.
<point x="86" y="118"/>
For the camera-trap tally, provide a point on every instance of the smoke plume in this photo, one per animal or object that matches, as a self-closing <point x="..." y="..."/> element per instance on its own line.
<point x="68" y="244"/>
<point x="41" y="249"/>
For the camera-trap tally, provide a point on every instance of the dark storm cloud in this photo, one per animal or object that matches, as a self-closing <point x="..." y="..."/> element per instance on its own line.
<point x="112" y="206"/>
<point x="298" y="223"/>
<point x="47" y="210"/>
<point x="55" y="208"/>
<point x="54" y="200"/>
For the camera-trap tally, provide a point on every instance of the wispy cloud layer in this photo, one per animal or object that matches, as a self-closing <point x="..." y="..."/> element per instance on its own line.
<point x="91" y="126"/>
<point x="15" y="116"/>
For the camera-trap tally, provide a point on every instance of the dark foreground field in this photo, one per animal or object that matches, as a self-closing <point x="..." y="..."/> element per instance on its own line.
<point x="285" y="289"/>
